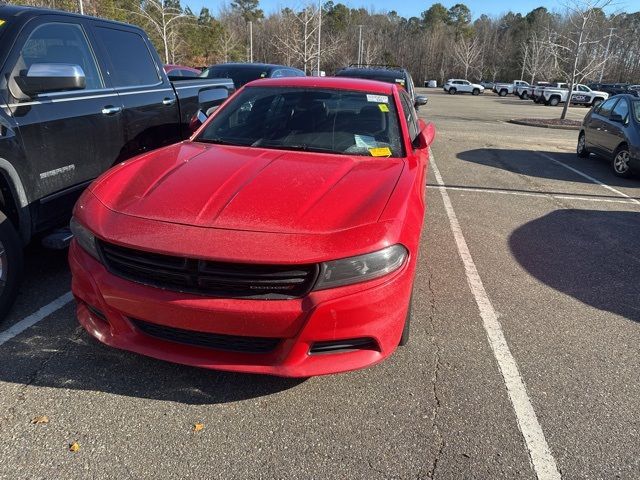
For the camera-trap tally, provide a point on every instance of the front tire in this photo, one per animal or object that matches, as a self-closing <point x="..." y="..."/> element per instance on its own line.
<point x="475" y="91"/>
<point x="524" y="96"/>
<point x="11" y="263"/>
<point x="581" y="149"/>
<point x="621" y="162"/>
<point x="452" y="91"/>
<point x="503" y="93"/>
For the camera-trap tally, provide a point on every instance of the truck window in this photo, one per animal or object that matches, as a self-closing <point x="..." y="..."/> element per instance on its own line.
<point x="131" y="61"/>
<point x="60" y="43"/>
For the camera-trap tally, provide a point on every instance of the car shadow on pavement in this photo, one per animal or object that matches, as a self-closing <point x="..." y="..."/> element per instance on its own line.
<point x="533" y="164"/>
<point x="591" y="255"/>
<point x="68" y="358"/>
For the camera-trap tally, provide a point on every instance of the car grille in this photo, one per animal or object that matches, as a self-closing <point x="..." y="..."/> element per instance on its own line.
<point x="215" y="341"/>
<point x="202" y="277"/>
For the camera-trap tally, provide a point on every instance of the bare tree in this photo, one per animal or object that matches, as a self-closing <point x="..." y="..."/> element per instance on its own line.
<point x="579" y="51"/>
<point x="466" y="53"/>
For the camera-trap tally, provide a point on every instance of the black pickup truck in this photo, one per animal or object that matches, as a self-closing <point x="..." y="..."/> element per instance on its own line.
<point x="77" y="95"/>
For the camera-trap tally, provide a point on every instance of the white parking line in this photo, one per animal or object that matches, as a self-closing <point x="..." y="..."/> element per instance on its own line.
<point x="589" y="177"/>
<point x="534" y="194"/>
<point x="35" y="317"/>
<point x="542" y="460"/>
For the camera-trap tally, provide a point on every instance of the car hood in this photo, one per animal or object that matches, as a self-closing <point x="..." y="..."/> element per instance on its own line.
<point x="251" y="189"/>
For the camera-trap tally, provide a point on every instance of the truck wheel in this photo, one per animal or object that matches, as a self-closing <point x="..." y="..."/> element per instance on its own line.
<point x="621" y="162"/>
<point x="581" y="149"/>
<point x="524" y="96"/>
<point x="475" y="92"/>
<point x="452" y="91"/>
<point x="503" y="92"/>
<point x="10" y="265"/>
<point x="554" y="101"/>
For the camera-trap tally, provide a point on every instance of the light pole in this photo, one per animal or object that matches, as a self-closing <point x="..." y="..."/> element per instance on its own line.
<point x="81" y="7"/>
<point x="360" y="46"/>
<point x="250" y="41"/>
<point x="319" y="31"/>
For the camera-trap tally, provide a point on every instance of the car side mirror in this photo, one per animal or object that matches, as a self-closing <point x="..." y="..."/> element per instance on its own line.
<point x="51" y="77"/>
<point x="614" y="117"/>
<point x="421" y="100"/>
<point x="426" y="136"/>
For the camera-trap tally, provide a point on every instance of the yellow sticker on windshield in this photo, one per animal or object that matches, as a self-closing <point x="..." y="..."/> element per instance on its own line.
<point x="380" y="152"/>
<point x="383" y="107"/>
<point x="2" y="22"/>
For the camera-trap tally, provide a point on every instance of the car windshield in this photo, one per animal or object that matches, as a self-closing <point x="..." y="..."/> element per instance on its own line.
<point x="3" y="25"/>
<point x="239" y="74"/>
<point x="314" y="120"/>
<point x="378" y="77"/>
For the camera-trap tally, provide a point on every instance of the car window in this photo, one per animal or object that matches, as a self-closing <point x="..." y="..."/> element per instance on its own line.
<point x="622" y="109"/>
<point x="188" y="74"/>
<point x="606" y="107"/>
<point x="582" y="88"/>
<point x="240" y="75"/>
<point x="131" y="61"/>
<point x="635" y="104"/>
<point x="410" y="115"/>
<point x="316" y="120"/>
<point x="295" y="73"/>
<point x="278" y="73"/>
<point x="60" y="43"/>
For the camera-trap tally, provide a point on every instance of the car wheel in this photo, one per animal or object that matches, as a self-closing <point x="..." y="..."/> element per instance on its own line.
<point x="10" y="265"/>
<point x="475" y="92"/>
<point x="503" y="93"/>
<point x="554" y="101"/>
<point x="621" y="162"/>
<point x="406" y="331"/>
<point x="581" y="149"/>
<point x="452" y="91"/>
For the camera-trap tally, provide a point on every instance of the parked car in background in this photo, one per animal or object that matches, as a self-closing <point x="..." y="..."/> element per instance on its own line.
<point x="614" y="88"/>
<point x="504" y="89"/>
<point x="581" y="95"/>
<point x="180" y="72"/>
<point x="243" y="73"/>
<point x="488" y="85"/>
<point x="526" y="91"/>
<point x="536" y="94"/>
<point x="321" y="181"/>
<point x="612" y="129"/>
<point x="77" y="95"/>
<point x="431" y="84"/>
<point x="388" y="74"/>
<point x="456" y="85"/>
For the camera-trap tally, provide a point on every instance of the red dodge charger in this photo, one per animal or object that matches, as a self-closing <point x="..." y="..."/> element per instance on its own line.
<point x="282" y="238"/>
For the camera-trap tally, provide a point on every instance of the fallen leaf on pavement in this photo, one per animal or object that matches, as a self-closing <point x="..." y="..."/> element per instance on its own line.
<point x="40" y="419"/>
<point x="198" y="426"/>
<point x="74" y="447"/>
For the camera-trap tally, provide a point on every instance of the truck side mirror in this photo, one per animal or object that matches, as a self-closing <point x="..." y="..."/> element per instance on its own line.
<point x="51" y="77"/>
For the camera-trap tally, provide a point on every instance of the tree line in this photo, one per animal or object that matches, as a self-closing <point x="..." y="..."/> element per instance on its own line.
<point x="577" y="44"/>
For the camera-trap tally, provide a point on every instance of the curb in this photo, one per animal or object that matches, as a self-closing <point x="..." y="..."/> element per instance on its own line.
<point x="531" y="124"/>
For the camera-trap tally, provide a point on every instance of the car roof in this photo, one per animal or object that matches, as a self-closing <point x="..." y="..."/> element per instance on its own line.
<point x="251" y="65"/>
<point x="337" y="83"/>
<point x="16" y="11"/>
<point x="374" y="71"/>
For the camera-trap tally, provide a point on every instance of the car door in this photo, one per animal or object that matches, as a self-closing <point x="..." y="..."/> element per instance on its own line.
<point x="598" y="125"/>
<point x="69" y="137"/>
<point x="614" y="132"/>
<point x="151" y="116"/>
<point x="581" y="94"/>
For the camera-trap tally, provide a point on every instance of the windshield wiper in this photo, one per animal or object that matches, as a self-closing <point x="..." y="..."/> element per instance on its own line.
<point x="219" y="141"/>
<point x="303" y="148"/>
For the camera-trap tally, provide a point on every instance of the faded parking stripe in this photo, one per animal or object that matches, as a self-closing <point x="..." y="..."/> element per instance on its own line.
<point x="544" y="465"/>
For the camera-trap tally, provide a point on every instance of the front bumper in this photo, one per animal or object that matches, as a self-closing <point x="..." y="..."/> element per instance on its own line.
<point x="109" y="306"/>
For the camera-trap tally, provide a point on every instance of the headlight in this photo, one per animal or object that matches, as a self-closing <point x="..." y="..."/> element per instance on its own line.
<point x="85" y="238"/>
<point x="361" y="268"/>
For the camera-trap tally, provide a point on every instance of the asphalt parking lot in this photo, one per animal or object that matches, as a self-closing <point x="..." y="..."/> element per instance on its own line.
<point x="523" y="362"/>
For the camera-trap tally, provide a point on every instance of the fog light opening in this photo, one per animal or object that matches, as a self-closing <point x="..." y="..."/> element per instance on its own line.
<point x="343" y="346"/>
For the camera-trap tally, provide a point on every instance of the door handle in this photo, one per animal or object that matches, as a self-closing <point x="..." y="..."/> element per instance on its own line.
<point x="168" y="101"/>
<point x="110" y="110"/>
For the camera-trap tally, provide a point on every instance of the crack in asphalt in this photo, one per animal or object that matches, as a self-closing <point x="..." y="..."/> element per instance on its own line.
<point x="22" y="393"/>
<point x="434" y="379"/>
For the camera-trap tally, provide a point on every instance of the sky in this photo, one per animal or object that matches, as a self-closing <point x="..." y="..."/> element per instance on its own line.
<point x="409" y="8"/>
